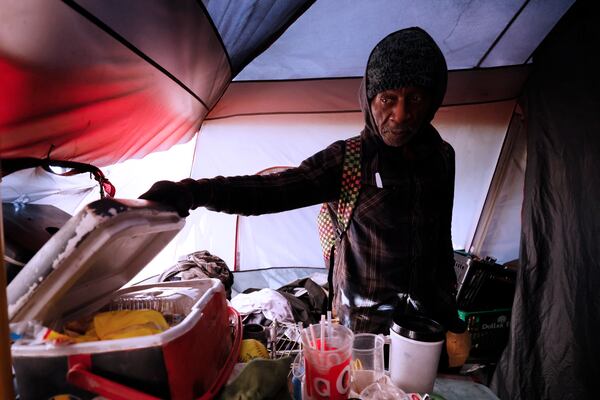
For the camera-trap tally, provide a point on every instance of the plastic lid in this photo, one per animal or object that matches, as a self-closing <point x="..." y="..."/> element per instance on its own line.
<point x="96" y="252"/>
<point x="419" y="328"/>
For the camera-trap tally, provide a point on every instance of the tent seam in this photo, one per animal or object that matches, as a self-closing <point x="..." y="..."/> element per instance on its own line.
<point x="274" y="36"/>
<point x="218" y="35"/>
<point x="348" y="110"/>
<point x="501" y="35"/>
<point x="111" y="32"/>
<point x="249" y="58"/>
<point x="281" y="113"/>
<point x="332" y="78"/>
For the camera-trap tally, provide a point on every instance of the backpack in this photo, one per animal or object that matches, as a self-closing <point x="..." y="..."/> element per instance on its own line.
<point x="333" y="223"/>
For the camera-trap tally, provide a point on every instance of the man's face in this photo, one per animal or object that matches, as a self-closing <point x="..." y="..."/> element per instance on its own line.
<point x="400" y="113"/>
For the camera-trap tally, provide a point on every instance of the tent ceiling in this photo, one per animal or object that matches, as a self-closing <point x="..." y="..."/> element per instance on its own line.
<point x="246" y="27"/>
<point x="101" y="81"/>
<point x="334" y="37"/>
<point x="168" y="37"/>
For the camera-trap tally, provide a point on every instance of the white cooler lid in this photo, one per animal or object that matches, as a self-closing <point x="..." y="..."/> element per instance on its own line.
<point x="96" y="252"/>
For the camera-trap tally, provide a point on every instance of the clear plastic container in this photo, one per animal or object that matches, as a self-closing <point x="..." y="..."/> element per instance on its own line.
<point x="383" y="391"/>
<point x="173" y="302"/>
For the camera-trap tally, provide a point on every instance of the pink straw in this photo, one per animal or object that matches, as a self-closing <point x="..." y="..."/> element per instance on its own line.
<point x="322" y="323"/>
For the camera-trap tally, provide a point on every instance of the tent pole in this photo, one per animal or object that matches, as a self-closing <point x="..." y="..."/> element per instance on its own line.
<point x="5" y="361"/>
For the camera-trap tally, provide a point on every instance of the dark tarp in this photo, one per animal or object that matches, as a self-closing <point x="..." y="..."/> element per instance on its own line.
<point x="553" y="347"/>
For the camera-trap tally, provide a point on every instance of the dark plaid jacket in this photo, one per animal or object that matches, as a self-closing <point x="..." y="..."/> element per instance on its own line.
<point x="396" y="255"/>
<point x="397" y="251"/>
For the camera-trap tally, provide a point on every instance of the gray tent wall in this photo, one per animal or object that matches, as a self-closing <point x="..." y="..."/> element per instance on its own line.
<point x="475" y="117"/>
<point x="498" y="229"/>
<point x="553" y="347"/>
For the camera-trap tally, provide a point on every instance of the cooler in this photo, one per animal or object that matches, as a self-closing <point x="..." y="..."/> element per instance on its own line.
<point x="79" y="271"/>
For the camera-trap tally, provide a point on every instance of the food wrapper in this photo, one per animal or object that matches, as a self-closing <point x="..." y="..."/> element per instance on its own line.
<point x="110" y="325"/>
<point x="128" y="323"/>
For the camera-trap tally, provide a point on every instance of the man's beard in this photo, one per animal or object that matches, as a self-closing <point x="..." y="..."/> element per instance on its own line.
<point x="399" y="136"/>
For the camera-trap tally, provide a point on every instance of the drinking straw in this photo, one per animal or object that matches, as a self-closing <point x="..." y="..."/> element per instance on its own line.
<point x="300" y="332"/>
<point x="305" y="334"/>
<point x="322" y="324"/>
<point x="312" y="343"/>
<point x="299" y="325"/>
<point x="330" y="328"/>
<point x="302" y="335"/>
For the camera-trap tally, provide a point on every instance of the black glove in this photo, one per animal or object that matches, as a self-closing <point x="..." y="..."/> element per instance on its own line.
<point x="178" y="195"/>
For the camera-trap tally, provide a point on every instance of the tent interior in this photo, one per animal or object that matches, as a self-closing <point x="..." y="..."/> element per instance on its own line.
<point x="146" y="93"/>
<point x="158" y="90"/>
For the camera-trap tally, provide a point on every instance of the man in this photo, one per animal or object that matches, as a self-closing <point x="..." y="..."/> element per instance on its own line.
<point x="396" y="254"/>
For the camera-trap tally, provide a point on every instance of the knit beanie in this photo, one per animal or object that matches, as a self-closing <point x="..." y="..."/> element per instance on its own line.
<point x="408" y="57"/>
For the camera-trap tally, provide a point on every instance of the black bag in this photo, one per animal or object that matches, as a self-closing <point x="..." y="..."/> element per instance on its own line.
<point x="308" y="307"/>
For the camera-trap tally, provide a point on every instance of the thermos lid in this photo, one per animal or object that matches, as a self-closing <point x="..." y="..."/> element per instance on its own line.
<point x="419" y="328"/>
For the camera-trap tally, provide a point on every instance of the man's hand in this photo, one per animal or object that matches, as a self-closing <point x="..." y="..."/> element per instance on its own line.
<point x="458" y="346"/>
<point x="175" y="194"/>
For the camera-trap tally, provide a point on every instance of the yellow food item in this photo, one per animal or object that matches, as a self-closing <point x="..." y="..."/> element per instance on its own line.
<point x="111" y="325"/>
<point x="128" y="323"/>
<point x="251" y="349"/>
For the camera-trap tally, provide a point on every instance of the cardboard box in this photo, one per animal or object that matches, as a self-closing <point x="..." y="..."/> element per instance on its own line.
<point x="489" y="333"/>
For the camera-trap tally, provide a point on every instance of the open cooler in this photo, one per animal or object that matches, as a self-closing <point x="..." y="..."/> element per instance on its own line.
<point x="79" y="272"/>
